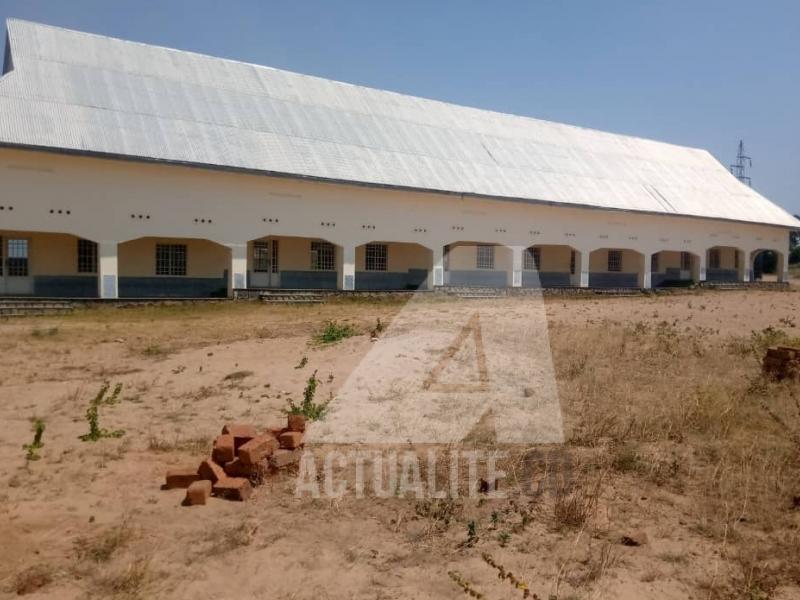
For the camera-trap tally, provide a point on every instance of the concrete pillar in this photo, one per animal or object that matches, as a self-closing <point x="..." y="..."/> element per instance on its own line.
<point x="702" y="257"/>
<point x="782" y="267"/>
<point x="436" y="276"/>
<point x="237" y="272"/>
<point x="347" y="270"/>
<point x="745" y="270"/>
<point x="516" y="265"/>
<point x="582" y="266"/>
<point x="647" y="273"/>
<point x="107" y="270"/>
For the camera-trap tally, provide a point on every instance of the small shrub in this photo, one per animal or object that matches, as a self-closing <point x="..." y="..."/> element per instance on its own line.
<point x="573" y="507"/>
<point x="334" y="332"/>
<point x="313" y="411"/>
<point x="93" y="415"/>
<point x="303" y="362"/>
<point x="36" y="444"/>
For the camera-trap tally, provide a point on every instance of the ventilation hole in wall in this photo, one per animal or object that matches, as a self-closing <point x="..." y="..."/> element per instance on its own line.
<point x="535" y="232"/>
<point x="420" y="230"/>
<point x="457" y="228"/>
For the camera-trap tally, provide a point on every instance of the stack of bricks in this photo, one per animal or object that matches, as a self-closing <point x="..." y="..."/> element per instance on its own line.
<point x="241" y="459"/>
<point x="782" y="362"/>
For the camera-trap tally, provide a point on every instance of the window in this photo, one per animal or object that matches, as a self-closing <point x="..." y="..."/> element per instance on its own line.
<point x="654" y="263"/>
<point x="532" y="259"/>
<point x="485" y="257"/>
<point x="171" y="259"/>
<point x="615" y="261"/>
<point x="17" y="261"/>
<point x="376" y="257"/>
<point x="713" y="258"/>
<point x="87" y="256"/>
<point x="686" y="261"/>
<point x="322" y="256"/>
<point x="735" y="259"/>
<point x="261" y="262"/>
<point x="572" y="262"/>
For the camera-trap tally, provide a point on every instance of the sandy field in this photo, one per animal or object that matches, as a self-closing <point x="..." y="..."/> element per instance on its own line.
<point x="683" y="461"/>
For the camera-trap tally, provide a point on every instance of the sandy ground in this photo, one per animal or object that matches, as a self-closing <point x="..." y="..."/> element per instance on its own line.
<point x="186" y="371"/>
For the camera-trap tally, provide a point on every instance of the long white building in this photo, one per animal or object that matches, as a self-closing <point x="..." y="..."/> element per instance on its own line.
<point x="129" y="170"/>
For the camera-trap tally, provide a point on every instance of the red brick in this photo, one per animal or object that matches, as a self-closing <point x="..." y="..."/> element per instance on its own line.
<point x="291" y="439"/>
<point x="256" y="472"/>
<point x="211" y="471"/>
<point x="181" y="478"/>
<point x="198" y="492"/>
<point x="241" y="432"/>
<point x="283" y="458"/>
<point x="223" y="451"/>
<point x="258" y="448"/>
<point x="233" y="488"/>
<point x="296" y="423"/>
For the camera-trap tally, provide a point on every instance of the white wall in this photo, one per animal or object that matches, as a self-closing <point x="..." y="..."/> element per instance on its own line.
<point x="102" y="195"/>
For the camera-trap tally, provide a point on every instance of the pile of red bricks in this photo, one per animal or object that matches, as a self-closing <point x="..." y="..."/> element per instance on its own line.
<point x="782" y="362"/>
<point x="241" y="458"/>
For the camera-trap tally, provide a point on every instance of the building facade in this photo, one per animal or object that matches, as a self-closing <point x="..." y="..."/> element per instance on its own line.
<point x="129" y="171"/>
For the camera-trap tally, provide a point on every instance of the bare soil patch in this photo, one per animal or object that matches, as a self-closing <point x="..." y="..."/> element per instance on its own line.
<point x="685" y="484"/>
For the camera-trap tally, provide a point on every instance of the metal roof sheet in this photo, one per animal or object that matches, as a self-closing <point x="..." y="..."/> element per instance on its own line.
<point x="82" y="92"/>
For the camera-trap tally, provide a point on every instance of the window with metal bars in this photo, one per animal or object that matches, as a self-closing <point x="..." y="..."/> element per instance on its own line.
<point x="323" y="256"/>
<point x="532" y="259"/>
<point x="615" y="261"/>
<point x="654" y="263"/>
<point x="261" y="262"/>
<point x="484" y="258"/>
<point x="171" y="259"/>
<point x="17" y="261"/>
<point x="2" y="262"/>
<point x="735" y="259"/>
<point x="87" y="256"/>
<point x="713" y="258"/>
<point x="686" y="261"/>
<point x="376" y="257"/>
<point x="572" y="262"/>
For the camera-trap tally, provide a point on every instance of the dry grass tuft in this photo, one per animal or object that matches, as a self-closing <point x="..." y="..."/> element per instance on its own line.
<point x="32" y="579"/>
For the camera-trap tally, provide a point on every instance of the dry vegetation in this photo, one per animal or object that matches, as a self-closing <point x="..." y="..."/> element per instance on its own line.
<point x="680" y="476"/>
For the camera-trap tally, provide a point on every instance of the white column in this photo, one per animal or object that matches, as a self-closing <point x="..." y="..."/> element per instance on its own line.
<point x="516" y="265"/>
<point x="783" y="266"/>
<point x="703" y="257"/>
<point x="237" y="272"/>
<point x="436" y="277"/>
<point x="745" y="270"/>
<point x="347" y="274"/>
<point x="584" y="255"/>
<point x="647" y="275"/>
<point x="107" y="270"/>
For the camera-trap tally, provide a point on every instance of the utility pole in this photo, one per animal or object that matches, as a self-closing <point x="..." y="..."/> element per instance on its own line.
<point x="742" y="162"/>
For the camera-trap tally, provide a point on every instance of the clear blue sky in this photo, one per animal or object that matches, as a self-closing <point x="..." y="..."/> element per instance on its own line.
<point x="696" y="72"/>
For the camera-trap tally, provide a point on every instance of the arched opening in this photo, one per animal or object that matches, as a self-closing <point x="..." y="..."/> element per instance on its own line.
<point x="477" y="264"/>
<point x="767" y="265"/>
<point x="725" y="263"/>
<point x="392" y="266"/>
<point x="47" y="265"/>
<point x="674" y="268"/>
<point x="550" y="265"/>
<point x="616" y="268"/>
<point x="290" y="262"/>
<point x="156" y="267"/>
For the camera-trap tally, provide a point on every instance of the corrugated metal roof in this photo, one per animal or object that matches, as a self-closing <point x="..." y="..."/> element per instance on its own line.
<point x="88" y="93"/>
